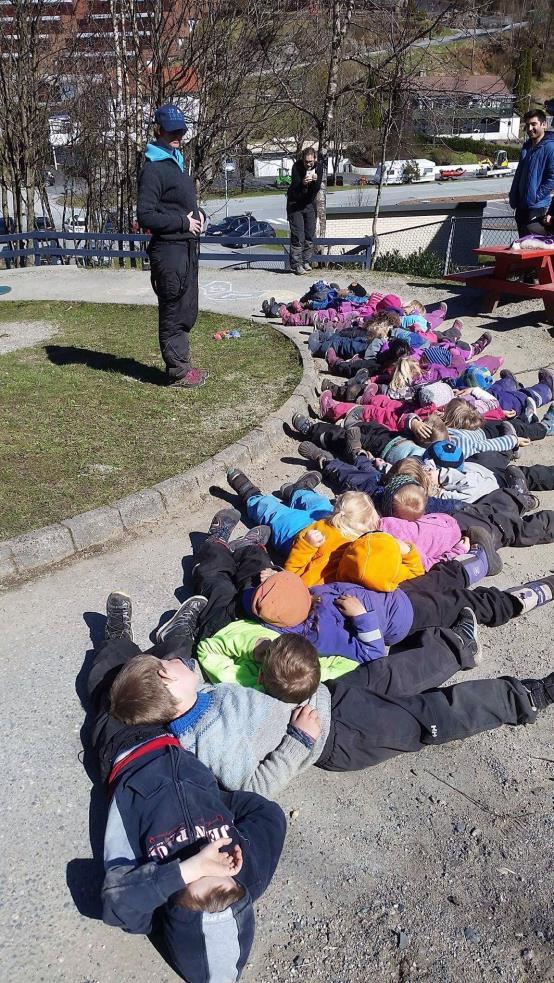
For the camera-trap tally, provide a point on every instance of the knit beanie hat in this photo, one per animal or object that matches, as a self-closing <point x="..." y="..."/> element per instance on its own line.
<point x="389" y="490"/>
<point x="389" y="302"/>
<point x="445" y="454"/>
<point x="473" y="376"/>
<point x="282" y="600"/>
<point x="438" y="393"/>
<point x="438" y="355"/>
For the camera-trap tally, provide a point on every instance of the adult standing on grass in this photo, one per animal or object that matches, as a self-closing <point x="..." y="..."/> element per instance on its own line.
<point x="167" y="206"/>
<point x="305" y="183"/>
<point x="533" y="184"/>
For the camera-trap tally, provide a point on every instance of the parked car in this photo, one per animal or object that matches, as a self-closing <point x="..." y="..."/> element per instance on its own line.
<point x="242" y="226"/>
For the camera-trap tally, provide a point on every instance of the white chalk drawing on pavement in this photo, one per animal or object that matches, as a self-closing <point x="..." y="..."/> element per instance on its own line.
<point x="223" y="290"/>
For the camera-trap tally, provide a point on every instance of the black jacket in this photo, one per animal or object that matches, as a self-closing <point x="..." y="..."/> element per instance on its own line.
<point x="166" y="195"/>
<point x="299" y="195"/>
<point x="165" y="806"/>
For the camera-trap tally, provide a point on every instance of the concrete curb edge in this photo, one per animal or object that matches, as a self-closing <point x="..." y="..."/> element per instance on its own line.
<point x="40" y="549"/>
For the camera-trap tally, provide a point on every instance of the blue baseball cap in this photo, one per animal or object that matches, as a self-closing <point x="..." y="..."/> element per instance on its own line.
<point x="170" y="118"/>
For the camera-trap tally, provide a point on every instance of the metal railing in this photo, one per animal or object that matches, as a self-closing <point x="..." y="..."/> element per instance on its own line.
<point x="102" y="248"/>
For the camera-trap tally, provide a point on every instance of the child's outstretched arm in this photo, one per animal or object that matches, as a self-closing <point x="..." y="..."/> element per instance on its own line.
<point x="411" y="562"/>
<point x="281" y="765"/>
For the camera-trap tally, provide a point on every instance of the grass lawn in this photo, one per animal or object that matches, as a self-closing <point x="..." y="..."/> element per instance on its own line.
<point x="86" y="417"/>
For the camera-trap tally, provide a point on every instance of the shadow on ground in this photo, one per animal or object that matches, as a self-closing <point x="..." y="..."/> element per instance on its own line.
<point x="106" y="362"/>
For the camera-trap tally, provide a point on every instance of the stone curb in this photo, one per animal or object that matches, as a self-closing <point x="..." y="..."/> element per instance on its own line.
<point x="42" y="548"/>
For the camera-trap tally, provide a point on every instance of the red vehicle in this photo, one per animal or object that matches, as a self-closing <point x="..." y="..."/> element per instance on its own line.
<point x="451" y="174"/>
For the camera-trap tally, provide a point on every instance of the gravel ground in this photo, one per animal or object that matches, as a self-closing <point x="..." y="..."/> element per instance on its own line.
<point x="24" y="334"/>
<point x="434" y="867"/>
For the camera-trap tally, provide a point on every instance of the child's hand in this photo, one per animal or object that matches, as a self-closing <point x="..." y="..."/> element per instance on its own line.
<point x="422" y="430"/>
<point x="379" y="463"/>
<point x="464" y="541"/>
<point x="404" y="547"/>
<point x="210" y="862"/>
<point x="349" y="606"/>
<point x="306" y="718"/>
<point x="509" y="413"/>
<point x="314" y="537"/>
<point x="266" y="574"/>
<point x="523" y="441"/>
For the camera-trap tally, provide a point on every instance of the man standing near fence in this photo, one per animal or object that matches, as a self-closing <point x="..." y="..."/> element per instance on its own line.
<point x="167" y="207"/>
<point x="306" y="177"/>
<point x="533" y="184"/>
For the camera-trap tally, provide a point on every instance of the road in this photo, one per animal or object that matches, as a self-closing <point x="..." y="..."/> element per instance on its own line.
<point x="271" y="208"/>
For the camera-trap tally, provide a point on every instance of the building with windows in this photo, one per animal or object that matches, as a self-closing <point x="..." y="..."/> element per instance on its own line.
<point x="479" y="107"/>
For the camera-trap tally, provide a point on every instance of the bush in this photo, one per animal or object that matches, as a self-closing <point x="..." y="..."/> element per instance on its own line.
<point x="483" y="148"/>
<point x="419" y="263"/>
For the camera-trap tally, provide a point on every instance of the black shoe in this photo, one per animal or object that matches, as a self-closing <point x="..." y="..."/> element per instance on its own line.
<point x="265" y="308"/>
<point x="119" y="611"/>
<point x="314" y="453"/>
<point x="353" y="443"/>
<point x="451" y="334"/>
<point x="515" y="479"/>
<point x="223" y="524"/>
<point x="541" y="691"/>
<point x="182" y="626"/>
<point x="332" y="387"/>
<point x="506" y="374"/>
<point x="481" y="537"/>
<point x="310" y="480"/>
<point x="530" y="503"/>
<point x="547" y="379"/>
<point x="465" y="627"/>
<point x="352" y="390"/>
<point x="302" y="424"/>
<point x="258" y="536"/>
<point x="241" y="484"/>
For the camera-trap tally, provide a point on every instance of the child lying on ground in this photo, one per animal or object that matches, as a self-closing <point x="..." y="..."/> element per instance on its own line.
<point x="250" y="740"/>
<point x="181" y="856"/>
<point x="315" y="534"/>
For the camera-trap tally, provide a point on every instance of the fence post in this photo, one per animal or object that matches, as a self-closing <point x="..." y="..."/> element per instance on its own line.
<point x="449" y="245"/>
<point x="36" y="249"/>
<point x="368" y="255"/>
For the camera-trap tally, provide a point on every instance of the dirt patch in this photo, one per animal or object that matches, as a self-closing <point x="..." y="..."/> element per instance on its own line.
<point x="24" y="334"/>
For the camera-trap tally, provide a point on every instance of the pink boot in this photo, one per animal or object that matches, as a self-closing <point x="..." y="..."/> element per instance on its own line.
<point x="369" y="392"/>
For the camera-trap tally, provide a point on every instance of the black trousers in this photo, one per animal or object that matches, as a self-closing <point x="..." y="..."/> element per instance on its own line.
<point x="302" y="224"/>
<point x="220" y="576"/>
<point x="500" y="513"/>
<point x="527" y="221"/>
<point x="374" y="437"/>
<point x="535" y="431"/>
<point x="174" y="277"/>
<point x="439" y="596"/>
<point x="374" y="718"/>
<point x="539" y="477"/>
<point x="348" y="369"/>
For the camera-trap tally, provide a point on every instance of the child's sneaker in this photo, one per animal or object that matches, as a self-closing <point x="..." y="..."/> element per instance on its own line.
<point x="354" y="417"/>
<point x="465" y="627"/>
<point x="331" y="357"/>
<point x="326" y="403"/>
<point x="530" y="409"/>
<point x="547" y="379"/>
<point x="314" y="453"/>
<point x="182" y="626"/>
<point x="506" y="374"/>
<point x="257" y="536"/>
<point x="482" y="342"/>
<point x="309" y="481"/>
<point x="223" y="523"/>
<point x="302" y="424"/>
<point x="541" y="691"/>
<point x="241" y="484"/>
<point x="369" y="392"/>
<point x="353" y="443"/>
<point x="119" y="611"/>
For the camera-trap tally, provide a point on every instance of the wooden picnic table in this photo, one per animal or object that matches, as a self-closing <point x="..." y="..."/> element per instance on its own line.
<point x="494" y="282"/>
